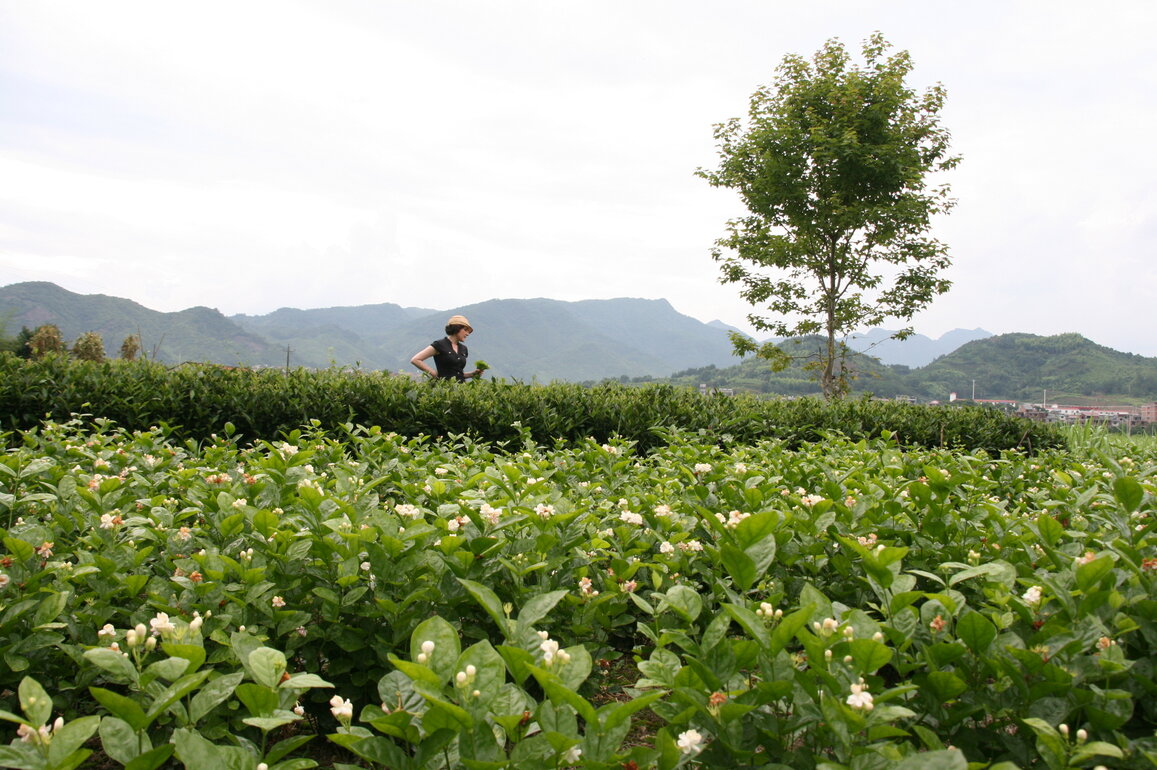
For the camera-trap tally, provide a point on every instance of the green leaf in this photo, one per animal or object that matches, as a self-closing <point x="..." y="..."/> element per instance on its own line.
<point x="152" y="759"/>
<point x="50" y="607"/>
<point x="788" y="627"/>
<point x="490" y="673"/>
<point x="34" y="702"/>
<point x="416" y="671"/>
<point x="756" y="528"/>
<point x="995" y="571"/>
<point x="119" y="667"/>
<point x="575" y="671"/>
<point x="442" y="712"/>
<point x="374" y="749"/>
<point x="1093" y="749"/>
<point x="196" y="751"/>
<point x="869" y="655"/>
<point x="213" y="694"/>
<point x="1128" y="492"/>
<point x="233" y="525"/>
<point x="715" y="632"/>
<point x="177" y="690"/>
<point x="121" y="706"/>
<point x="489" y="601"/>
<point x="537" y="608"/>
<point x="946" y="685"/>
<point x="120" y="741"/>
<point x="1049" y="529"/>
<point x="277" y="719"/>
<point x="19" y="548"/>
<point x="267" y="666"/>
<point x="259" y="699"/>
<point x="168" y="669"/>
<point x="71" y="737"/>
<point x="284" y="747"/>
<point x="739" y="565"/>
<point x="947" y="759"/>
<point x="1090" y="574"/>
<point x="1050" y="744"/>
<point x="446" y="650"/>
<point x="976" y="631"/>
<point x="303" y="681"/>
<point x="194" y="653"/>
<point x="24" y="756"/>
<point x="685" y="600"/>
<point x="751" y="623"/>
<point x="559" y="693"/>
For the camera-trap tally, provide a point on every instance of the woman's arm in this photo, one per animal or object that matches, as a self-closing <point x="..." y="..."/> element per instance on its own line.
<point x="419" y="360"/>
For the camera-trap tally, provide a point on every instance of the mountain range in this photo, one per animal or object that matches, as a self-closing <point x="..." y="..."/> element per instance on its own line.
<point x="523" y="339"/>
<point x="586" y="341"/>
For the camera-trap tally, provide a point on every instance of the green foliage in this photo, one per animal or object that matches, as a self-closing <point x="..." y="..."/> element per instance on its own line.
<point x="89" y="347"/>
<point x="199" y="401"/>
<point x="831" y="164"/>
<point x="131" y="347"/>
<point x="439" y="603"/>
<point x="45" y="341"/>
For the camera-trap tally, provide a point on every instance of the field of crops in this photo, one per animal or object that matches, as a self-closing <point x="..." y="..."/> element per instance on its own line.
<point x="352" y="597"/>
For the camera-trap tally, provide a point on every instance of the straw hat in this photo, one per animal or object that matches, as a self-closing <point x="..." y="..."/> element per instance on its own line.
<point x="459" y="320"/>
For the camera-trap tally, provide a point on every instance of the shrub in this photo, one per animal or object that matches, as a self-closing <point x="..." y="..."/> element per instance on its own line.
<point x="89" y="347"/>
<point x="201" y="400"/>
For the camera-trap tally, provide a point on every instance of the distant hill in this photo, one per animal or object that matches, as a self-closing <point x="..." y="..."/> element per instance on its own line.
<point x="915" y="351"/>
<point x="195" y="334"/>
<point x="1009" y="366"/>
<point x="1025" y="366"/>
<point x="589" y="340"/>
<point x="523" y="339"/>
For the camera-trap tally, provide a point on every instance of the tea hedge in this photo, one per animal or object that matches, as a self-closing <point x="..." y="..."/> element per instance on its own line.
<point x="198" y="401"/>
<point x="437" y="603"/>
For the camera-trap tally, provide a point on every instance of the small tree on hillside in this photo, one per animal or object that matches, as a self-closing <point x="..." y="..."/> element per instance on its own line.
<point x="89" y="347"/>
<point x="831" y="165"/>
<point x="131" y="347"/>
<point x="46" y="339"/>
<point x="22" y="345"/>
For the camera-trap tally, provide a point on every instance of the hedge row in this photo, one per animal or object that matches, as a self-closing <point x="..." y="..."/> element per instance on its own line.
<point x="199" y="400"/>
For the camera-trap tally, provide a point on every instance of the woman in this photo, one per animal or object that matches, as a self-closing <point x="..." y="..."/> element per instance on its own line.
<point x="449" y="353"/>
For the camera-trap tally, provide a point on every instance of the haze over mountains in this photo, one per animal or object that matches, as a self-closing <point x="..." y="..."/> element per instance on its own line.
<point x="590" y="340"/>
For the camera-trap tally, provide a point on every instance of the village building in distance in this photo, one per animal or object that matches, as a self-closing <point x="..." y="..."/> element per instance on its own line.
<point x="1125" y="418"/>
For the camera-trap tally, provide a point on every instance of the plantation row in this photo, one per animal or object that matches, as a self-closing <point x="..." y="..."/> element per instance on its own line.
<point x="431" y="603"/>
<point x="198" y="400"/>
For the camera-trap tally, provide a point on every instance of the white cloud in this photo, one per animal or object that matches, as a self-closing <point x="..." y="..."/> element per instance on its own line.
<point x="249" y="156"/>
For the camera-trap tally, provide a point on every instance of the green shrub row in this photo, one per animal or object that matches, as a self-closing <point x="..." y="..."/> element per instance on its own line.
<point x="429" y="605"/>
<point x="200" y="400"/>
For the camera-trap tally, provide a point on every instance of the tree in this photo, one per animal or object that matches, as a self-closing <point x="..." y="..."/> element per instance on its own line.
<point x="22" y="346"/>
<point x="46" y="339"/>
<point x="131" y="347"/>
<point x="89" y="347"/>
<point x="832" y="165"/>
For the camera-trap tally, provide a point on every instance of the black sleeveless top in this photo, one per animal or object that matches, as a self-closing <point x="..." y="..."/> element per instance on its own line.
<point x="448" y="363"/>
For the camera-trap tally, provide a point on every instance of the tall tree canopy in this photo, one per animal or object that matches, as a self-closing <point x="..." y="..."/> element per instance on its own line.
<point x="832" y="163"/>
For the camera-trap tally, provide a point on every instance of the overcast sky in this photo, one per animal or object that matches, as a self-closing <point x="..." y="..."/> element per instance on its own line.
<point x="280" y="153"/>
